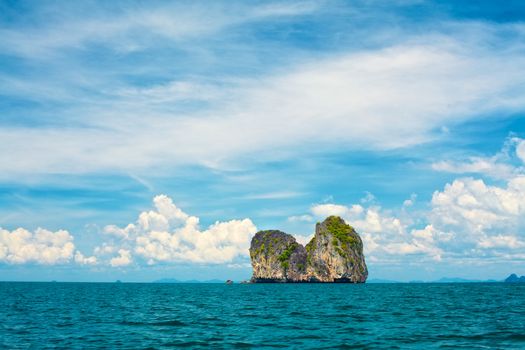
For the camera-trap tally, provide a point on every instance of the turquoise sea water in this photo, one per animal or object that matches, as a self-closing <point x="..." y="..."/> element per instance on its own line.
<point x="154" y="316"/>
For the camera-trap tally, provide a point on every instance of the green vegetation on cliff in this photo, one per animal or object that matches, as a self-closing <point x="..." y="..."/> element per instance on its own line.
<point x="285" y="256"/>
<point x="343" y="233"/>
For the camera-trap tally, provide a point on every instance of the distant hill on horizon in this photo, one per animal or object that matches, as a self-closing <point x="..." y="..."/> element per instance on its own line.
<point x="513" y="278"/>
<point x="441" y="280"/>
<point x="379" y="280"/>
<point x="462" y="280"/>
<point x="173" y="280"/>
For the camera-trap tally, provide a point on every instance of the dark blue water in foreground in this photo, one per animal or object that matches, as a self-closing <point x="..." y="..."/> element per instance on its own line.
<point x="376" y="316"/>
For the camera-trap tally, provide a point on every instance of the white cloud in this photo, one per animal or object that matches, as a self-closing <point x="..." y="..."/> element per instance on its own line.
<point x="366" y="219"/>
<point x="482" y="219"/>
<point x="477" y="165"/>
<point x="481" y="215"/>
<point x="520" y="149"/>
<point x="41" y="247"/>
<point x="335" y="209"/>
<point x="303" y="239"/>
<point x="467" y="219"/>
<point x="501" y="241"/>
<point x="239" y="266"/>
<point x="135" y="28"/>
<point x="385" y="236"/>
<point x="346" y="100"/>
<point x="368" y="198"/>
<point x="274" y="195"/>
<point x="382" y="232"/>
<point x="104" y="249"/>
<point x="123" y="259"/>
<point x="285" y="9"/>
<point x="167" y="234"/>
<point x="410" y="202"/>
<point x="296" y="218"/>
<point x="84" y="260"/>
<point x="498" y="166"/>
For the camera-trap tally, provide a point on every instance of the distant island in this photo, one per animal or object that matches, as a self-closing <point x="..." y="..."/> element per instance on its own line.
<point x="335" y="254"/>
<point x="441" y="280"/>
<point x="173" y="280"/>
<point x="515" y="279"/>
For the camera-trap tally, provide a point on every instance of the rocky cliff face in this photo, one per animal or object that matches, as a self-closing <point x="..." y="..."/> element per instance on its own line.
<point x="277" y="257"/>
<point x="335" y="254"/>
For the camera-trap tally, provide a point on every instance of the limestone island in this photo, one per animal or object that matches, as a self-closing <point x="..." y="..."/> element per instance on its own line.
<point x="335" y="254"/>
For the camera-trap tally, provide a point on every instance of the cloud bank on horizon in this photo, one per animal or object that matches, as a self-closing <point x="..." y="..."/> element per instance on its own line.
<point x="468" y="219"/>
<point x="272" y="114"/>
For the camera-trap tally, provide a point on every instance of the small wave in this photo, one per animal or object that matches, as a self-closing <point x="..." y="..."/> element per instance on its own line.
<point x="516" y="337"/>
<point x="485" y="336"/>
<point x="242" y="345"/>
<point x="159" y="323"/>
<point x="296" y="313"/>
<point x="188" y="344"/>
<point x="168" y="323"/>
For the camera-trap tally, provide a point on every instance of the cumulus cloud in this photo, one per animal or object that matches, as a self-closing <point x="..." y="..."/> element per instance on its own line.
<point x="328" y="209"/>
<point x="481" y="215"/>
<point x="21" y="246"/>
<point x="164" y="234"/>
<point x="167" y="234"/>
<point x="383" y="233"/>
<point x="304" y="240"/>
<point x="104" y="249"/>
<point x="410" y="201"/>
<point x="467" y="219"/>
<point x="123" y="259"/>
<point x="370" y="219"/>
<point x="85" y="260"/>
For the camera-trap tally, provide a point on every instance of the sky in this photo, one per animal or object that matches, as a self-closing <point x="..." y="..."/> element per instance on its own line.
<point x="142" y="140"/>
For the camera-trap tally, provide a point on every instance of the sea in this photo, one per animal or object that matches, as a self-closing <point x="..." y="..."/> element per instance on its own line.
<point x="258" y="316"/>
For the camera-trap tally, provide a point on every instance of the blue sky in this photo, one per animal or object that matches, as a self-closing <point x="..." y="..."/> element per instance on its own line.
<point x="142" y="140"/>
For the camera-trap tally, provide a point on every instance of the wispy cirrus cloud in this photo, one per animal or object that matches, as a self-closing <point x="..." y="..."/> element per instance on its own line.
<point x="274" y="195"/>
<point x="188" y="105"/>
<point x="348" y="100"/>
<point x="499" y="166"/>
<point x="131" y="28"/>
<point x="477" y="165"/>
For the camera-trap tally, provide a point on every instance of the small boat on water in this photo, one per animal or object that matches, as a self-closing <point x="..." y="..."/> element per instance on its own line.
<point x="229" y="282"/>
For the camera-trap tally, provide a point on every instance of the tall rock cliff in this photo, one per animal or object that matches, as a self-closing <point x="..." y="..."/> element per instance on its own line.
<point x="335" y="254"/>
<point x="277" y="257"/>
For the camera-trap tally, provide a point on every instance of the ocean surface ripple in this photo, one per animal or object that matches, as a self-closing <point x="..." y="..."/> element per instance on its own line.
<point x="321" y="316"/>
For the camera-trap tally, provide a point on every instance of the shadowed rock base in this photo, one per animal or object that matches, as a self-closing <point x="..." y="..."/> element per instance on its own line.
<point x="313" y="280"/>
